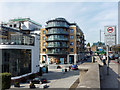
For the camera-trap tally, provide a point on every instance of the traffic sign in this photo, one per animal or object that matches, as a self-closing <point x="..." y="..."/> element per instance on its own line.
<point x="110" y="29"/>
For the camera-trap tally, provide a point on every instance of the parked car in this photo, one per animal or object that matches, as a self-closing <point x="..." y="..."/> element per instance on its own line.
<point x="43" y="80"/>
<point x="118" y="59"/>
<point x="115" y="56"/>
<point x="74" y="67"/>
<point x="43" y="86"/>
<point x="35" y="81"/>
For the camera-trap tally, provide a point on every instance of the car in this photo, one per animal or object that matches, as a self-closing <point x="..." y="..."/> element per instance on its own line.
<point x="36" y="81"/>
<point x="115" y="56"/>
<point x="118" y="60"/>
<point x="43" y="86"/>
<point x="43" y="80"/>
<point x="74" y="67"/>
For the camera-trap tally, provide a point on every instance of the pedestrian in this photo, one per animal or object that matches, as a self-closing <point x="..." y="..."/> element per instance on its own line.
<point x="104" y="59"/>
<point x="63" y="71"/>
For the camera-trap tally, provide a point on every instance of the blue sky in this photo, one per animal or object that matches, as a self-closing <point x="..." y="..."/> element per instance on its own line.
<point x="90" y="16"/>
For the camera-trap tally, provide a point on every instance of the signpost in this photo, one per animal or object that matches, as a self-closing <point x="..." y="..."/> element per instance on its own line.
<point x="110" y="35"/>
<point x="107" y="47"/>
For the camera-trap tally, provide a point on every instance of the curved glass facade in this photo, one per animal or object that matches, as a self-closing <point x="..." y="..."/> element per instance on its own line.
<point x="57" y="31"/>
<point x="57" y="36"/>
<point x="57" y="24"/>
<point x="57" y="44"/>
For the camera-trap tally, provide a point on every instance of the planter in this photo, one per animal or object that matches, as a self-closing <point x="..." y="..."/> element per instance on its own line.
<point x="16" y="85"/>
<point x="32" y="87"/>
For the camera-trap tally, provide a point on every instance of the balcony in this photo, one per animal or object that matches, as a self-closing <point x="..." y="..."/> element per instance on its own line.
<point x="78" y="40"/>
<point x="78" y="34"/>
<point x="57" y="53"/>
<point x="56" y="25"/>
<point x="57" y="33"/>
<point x="56" y="46"/>
<point x="56" y="39"/>
<point x="78" y="45"/>
<point x="17" y="42"/>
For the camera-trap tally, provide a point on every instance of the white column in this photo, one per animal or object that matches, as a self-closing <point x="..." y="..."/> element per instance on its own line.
<point x="75" y="58"/>
<point x="47" y="59"/>
<point x="68" y="59"/>
<point x="41" y="58"/>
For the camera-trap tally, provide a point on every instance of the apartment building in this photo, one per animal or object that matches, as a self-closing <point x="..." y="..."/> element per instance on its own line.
<point x="62" y="41"/>
<point x="20" y="48"/>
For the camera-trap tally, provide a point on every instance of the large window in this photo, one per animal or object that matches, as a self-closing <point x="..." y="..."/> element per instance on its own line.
<point x="71" y="30"/>
<point x="71" y="49"/>
<point x="71" y="36"/>
<point x="44" y="32"/>
<point x="16" y="61"/>
<point x="71" y="43"/>
<point x="44" y="38"/>
<point x="44" y="43"/>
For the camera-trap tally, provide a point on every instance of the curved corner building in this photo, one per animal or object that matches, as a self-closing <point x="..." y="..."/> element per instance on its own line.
<point x="62" y="41"/>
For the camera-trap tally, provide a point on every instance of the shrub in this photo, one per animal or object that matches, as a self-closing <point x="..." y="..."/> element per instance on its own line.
<point x="6" y="80"/>
<point x="17" y="84"/>
<point x="32" y="85"/>
<point x="58" y="62"/>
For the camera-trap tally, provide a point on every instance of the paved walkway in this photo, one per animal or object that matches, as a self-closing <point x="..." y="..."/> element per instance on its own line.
<point x="57" y="79"/>
<point x="110" y="81"/>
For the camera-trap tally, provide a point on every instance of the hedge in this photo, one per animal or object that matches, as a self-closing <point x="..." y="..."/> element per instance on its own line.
<point x="6" y="80"/>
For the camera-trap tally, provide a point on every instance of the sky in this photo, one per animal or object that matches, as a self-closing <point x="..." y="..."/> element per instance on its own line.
<point x="91" y="17"/>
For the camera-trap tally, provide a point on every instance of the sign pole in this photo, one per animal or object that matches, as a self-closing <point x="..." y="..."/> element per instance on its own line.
<point x="107" y="59"/>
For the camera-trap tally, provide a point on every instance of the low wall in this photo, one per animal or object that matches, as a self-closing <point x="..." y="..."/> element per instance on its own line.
<point x="89" y="76"/>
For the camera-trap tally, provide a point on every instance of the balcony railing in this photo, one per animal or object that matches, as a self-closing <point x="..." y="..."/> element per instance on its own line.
<point x="16" y="42"/>
<point x="62" y="52"/>
<point x="51" y="33"/>
<point x="56" y="39"/>
<point x="57" y="46"/>
<point x="78" y="34"/>
<point x="56" y="25"/>
<point x="78" y="40"/>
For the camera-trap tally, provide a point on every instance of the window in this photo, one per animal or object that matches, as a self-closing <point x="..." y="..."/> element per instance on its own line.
<point x="71" y="37"/>
<point x="71" y="49"/>
<point x="71" y="30"/>
<point x="44" y="43"/>
<point x="44" y="32"/>
<point x="44" y="50"/>
<point x="44" y="38"/>
<point x="71" y="43"/>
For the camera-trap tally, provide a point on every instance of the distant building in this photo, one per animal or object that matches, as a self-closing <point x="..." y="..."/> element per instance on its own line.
<point x="62" y="41"/>
<point x="98" y="44"/>
<point x="20" y="47"/>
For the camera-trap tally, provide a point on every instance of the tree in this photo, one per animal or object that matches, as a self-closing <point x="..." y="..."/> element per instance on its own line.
<point x="88" y="45"/>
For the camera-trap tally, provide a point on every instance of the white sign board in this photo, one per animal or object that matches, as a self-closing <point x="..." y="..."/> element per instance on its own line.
<point x="110" y="35"/>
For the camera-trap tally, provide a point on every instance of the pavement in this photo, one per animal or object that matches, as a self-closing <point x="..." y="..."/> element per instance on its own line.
<point x="110" y="80"/>
<point x="56" y="79"/>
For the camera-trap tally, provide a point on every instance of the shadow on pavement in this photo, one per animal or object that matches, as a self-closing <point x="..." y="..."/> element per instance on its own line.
<point x="111" y="81"/>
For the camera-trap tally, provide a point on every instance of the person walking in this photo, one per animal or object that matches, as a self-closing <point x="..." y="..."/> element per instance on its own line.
<point x="104" y="59"/>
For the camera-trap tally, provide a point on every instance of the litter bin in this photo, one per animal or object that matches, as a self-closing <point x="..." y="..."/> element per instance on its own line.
<point x="65" y="70"/>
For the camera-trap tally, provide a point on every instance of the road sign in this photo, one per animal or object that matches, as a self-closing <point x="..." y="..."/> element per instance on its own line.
<point x="110" y="35"/>
<point x="110" y="29"/>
